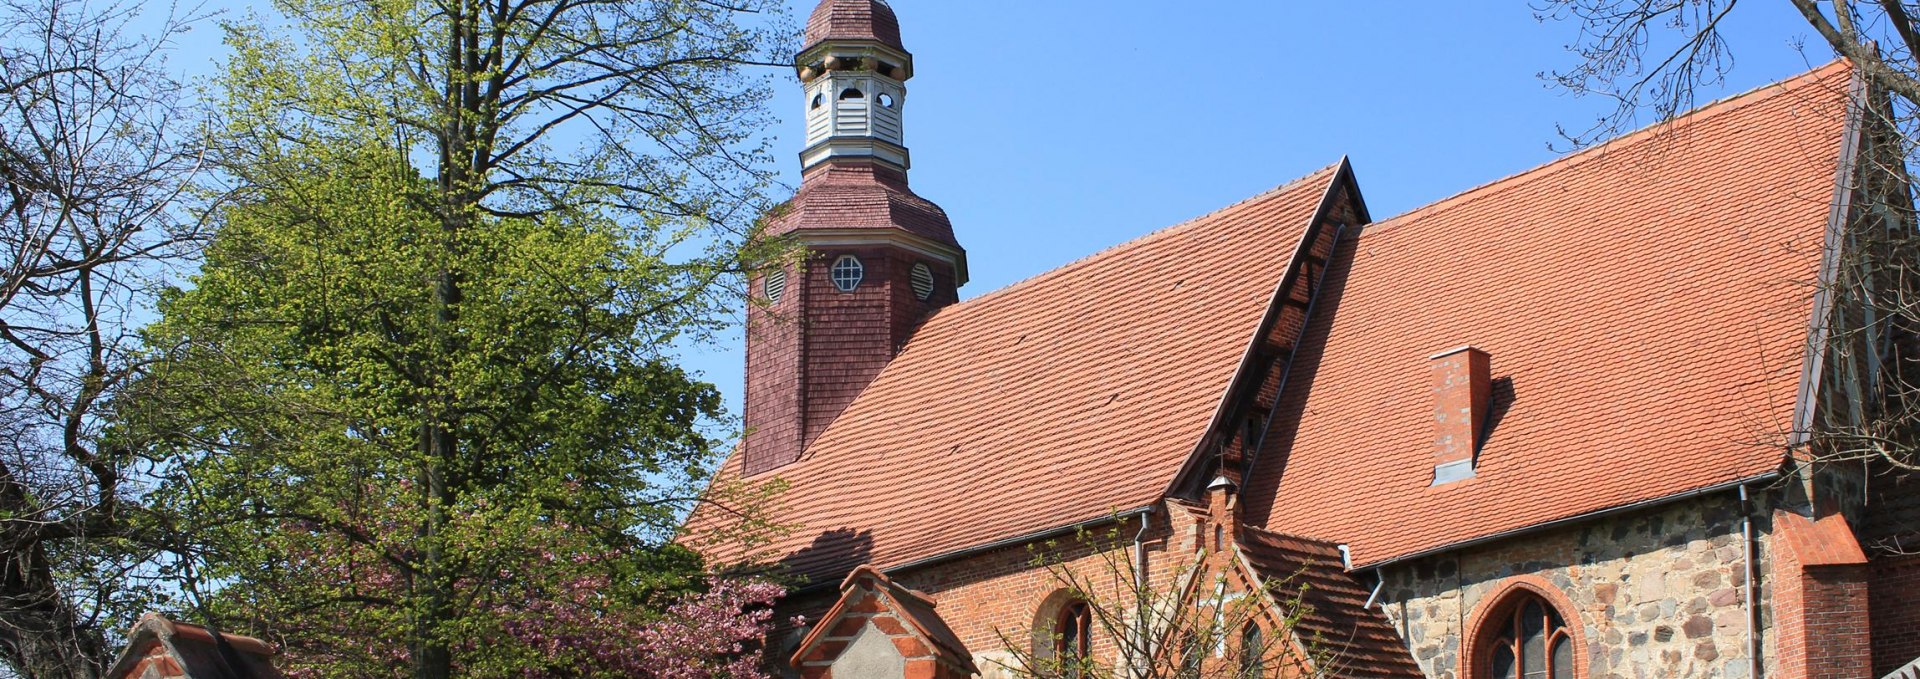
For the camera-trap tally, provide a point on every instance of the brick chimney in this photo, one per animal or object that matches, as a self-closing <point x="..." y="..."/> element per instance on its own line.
<point x="1462" y="392"/>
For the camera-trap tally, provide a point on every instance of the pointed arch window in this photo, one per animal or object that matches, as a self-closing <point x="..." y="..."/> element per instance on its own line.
<point x="1253" y="652"/>
<point x="1073" y="637"/>
<point x="1526" y="639"/>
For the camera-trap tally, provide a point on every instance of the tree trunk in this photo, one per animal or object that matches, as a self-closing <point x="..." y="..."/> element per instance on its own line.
<point x="41" y="635"/>
<point x="432" y="655"/>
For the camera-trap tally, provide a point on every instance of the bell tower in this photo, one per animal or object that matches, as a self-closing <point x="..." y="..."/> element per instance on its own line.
<point x="878" y="258"/>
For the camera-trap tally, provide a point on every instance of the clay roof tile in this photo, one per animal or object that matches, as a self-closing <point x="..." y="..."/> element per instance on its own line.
<point x="854" y="20"/>
<point x="1058" y="400"/>
<point x="1646" y="305"/>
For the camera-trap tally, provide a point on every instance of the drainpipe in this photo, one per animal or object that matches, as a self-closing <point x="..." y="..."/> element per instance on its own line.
<point x="1753" y="613"/>
<point x="1379" y="583"/>
<point x="1140" y="589"/>
<point x="1140" y="550"/>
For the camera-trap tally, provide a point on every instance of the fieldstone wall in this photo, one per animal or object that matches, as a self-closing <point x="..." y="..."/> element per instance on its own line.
<point x="1658" y="594"/>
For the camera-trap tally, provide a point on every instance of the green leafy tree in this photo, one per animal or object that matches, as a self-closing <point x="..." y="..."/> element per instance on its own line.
<point x="424" y="380"/>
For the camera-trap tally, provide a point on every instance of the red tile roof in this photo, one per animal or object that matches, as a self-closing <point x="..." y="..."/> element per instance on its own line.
<point x="1358" y="642"/>
<point x="1054" y="401"/>
<point x="861" y="196"/>
<point x="1646" y="305"/>
<point x="854" y="20"/>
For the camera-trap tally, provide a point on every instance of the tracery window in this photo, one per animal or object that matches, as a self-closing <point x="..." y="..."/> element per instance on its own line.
<point x="1528" y="641"/>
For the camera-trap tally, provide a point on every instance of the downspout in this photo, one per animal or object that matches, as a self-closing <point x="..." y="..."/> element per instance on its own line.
<point x="1141" y="600"/>
<point x="1753" y="613"/>
<point x="1379" y="583"/>
<point x="1140" y="550"/>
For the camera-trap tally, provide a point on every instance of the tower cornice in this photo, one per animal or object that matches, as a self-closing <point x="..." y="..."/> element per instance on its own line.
<point x="947" y="253"/>
<point x="863" y="149"/>
<point x="892" y="62"/>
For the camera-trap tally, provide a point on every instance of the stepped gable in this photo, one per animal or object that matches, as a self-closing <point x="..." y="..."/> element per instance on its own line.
<point x="1057" y="400"/>
<point x="1359" y="642"/>
<point x="1646" y="306"/>
<point x="854" y="20"/>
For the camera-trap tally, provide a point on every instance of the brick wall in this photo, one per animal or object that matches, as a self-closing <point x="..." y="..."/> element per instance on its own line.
<point x="1891" y="535"/>
<point x="997" y="596"/>
<point x="810" y="355"/>
<point x="1894" y="605"/>
<point x="850" y="336"/>
<point x="772" y="402"/>
<point x="1820" y="608"/>
<point x="1839" y="646"/>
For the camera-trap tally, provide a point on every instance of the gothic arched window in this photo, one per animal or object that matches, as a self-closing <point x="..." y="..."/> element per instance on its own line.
<point x="1253" y="652"/>
<point x="1525" y="639"/>
<point x="1073" y="637"/>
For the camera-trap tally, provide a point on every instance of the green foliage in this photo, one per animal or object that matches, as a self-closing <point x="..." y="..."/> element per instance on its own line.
<point x="420" y="398"/>
<point x="311" y="354"/>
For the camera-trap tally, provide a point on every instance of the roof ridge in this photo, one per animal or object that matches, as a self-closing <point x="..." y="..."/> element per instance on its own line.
<point x="1154" y="235"/>
<point x="1722" y="106"/>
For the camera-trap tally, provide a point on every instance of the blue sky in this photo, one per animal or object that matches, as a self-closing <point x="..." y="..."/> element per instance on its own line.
<point x="1050" y="129"/>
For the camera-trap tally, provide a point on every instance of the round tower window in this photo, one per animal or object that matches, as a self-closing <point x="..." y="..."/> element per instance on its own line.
<point x="922" y="282"/>
<point x="775" y="286"/>
<point x="847" y="273"/>
<point x="819" y="100"/>
<point x="852" y="93"/>
<point x="885" y="100"/>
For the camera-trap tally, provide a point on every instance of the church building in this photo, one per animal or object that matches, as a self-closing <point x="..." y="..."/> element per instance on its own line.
<point x="1558" y="426"/>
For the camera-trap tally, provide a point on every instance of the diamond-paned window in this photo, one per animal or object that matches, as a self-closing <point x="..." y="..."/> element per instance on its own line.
<point x="922" y="282"/>
<point x="847" y="273"/>
<point x="775" y="286"/>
